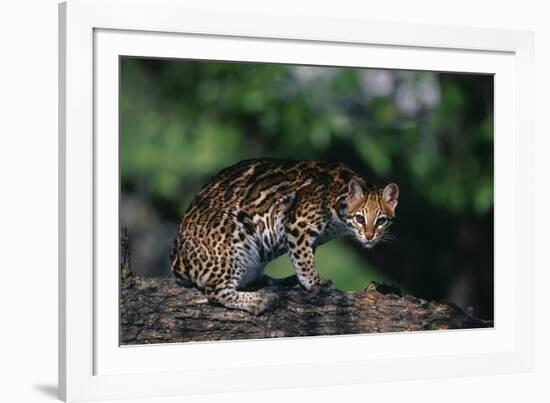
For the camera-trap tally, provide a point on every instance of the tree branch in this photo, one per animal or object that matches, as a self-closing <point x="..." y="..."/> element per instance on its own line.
<point x="158" y="310"/>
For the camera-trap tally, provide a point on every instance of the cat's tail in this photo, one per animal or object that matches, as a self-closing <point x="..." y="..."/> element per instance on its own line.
<point x="177" y="265"/>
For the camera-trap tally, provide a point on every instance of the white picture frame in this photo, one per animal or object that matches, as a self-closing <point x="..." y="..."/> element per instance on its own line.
<point x="94" y="33"/>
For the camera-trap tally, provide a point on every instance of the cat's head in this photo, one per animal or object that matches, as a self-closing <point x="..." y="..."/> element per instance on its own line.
<point x="369" y="213"/>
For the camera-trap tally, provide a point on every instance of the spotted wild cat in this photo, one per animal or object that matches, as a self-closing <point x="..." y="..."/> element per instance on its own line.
<point x="256" y="210"/>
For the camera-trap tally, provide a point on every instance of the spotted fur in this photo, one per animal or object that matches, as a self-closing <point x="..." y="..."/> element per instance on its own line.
<point x="254" y="211"/>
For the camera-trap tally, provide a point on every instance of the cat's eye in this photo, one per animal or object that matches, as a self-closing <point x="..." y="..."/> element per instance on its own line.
<point x="381" y="221"/>
<point x="360" y="219"/>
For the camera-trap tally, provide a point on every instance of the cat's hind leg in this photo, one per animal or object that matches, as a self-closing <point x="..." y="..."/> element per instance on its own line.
<point x="255" y="302"/>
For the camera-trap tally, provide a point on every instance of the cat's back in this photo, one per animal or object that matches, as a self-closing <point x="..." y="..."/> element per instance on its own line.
<point x="257" y="182"/>
<point x="232" y="184"/>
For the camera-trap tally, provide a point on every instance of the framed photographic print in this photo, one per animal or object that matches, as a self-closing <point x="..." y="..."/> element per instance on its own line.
<point x="270" y="201"/>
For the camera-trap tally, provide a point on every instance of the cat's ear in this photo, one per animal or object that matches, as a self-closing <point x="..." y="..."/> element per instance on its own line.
<point x="391" y="195"/>
<point x="355" y="193"/>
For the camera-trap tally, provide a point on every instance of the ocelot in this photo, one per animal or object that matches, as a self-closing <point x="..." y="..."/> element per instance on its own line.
<point x="252" y="212"/>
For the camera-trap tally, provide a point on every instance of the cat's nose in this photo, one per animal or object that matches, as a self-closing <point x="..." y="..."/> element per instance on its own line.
<point x="369" y="235"/>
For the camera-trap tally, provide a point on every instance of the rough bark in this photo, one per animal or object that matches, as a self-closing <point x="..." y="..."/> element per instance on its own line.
<point x="158" y="310"/>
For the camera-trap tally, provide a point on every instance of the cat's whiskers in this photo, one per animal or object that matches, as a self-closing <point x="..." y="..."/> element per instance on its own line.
<point x="388" y="238"/>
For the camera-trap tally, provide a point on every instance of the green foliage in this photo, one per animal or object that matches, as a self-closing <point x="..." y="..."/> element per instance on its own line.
<point x="183" y="120"/>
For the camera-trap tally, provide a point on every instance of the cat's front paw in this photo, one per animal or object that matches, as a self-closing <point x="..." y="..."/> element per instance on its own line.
<point x="325" y="285"/>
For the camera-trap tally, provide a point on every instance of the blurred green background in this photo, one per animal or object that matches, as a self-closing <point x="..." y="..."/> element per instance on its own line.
<point x="431" y="133"/>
